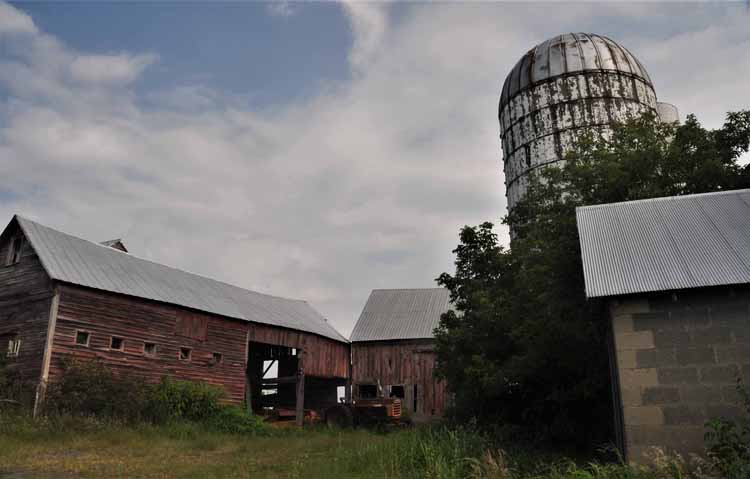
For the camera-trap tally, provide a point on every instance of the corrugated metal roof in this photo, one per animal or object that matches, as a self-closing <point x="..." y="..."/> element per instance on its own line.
<point x="401" y="314"/>
<point x="74" y="260"/>
<point x="567" y="54"/>
<point x="663" y="244"/>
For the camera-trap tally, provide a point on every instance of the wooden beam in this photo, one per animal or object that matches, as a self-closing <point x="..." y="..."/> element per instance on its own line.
<point x="348" y="386"/>
<point x="300" y="388"/>
<point x="41" y="389"/>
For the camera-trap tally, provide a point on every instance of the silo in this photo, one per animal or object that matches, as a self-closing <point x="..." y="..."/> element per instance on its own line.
<point x="563" y="87"/>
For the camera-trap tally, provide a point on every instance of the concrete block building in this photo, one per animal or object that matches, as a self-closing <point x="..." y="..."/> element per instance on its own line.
<point x="676" y="274"/>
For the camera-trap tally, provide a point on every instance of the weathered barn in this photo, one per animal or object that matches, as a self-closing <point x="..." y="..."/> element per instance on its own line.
<point x="393" y="348"/>
<point x="676" y="274"/>
<point x="62" y="296"/>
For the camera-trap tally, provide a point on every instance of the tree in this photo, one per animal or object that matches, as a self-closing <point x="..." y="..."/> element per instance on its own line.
<point x="524" y="350"/>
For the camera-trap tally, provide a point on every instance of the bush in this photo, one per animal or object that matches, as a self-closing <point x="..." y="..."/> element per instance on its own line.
<point x="88" y="388"/>
<point x="728" y="442"/>
<point x="91" y="390"/>
<point x="14" y="388"/>
<point x="235" y="420"/>
<point x="173" y="400"/>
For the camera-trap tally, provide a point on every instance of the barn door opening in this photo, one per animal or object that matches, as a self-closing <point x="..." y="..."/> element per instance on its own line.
<point x="271" y="379"/>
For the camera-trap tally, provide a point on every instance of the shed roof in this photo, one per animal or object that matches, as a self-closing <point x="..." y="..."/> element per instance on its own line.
<point x="77" y="261"/>
<point x="665" y="244"/>
<point x="392" y="314"/>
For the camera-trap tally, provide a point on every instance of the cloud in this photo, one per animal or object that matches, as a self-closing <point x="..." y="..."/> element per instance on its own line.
<point x="363" y="185"/>
<point x="369" y="23"/>
<point x="280" y="8"/>
<point x="110" y="69"/>
<point x="14" y="21"/>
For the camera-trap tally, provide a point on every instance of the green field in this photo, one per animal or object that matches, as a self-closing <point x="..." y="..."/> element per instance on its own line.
<point x="89" y="449"/>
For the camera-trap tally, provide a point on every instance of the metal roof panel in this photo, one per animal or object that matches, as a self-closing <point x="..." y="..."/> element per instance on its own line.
<point x="77" y="261"/>
<point x="667" y="243"/>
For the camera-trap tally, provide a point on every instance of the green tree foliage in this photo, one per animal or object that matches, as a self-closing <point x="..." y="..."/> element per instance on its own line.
<point x="524" y="349"/>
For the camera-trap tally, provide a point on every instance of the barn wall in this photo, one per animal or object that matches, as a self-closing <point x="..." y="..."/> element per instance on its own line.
<point x="678" y="359"/>
<point x="137" y="321"/>
<point x="25" y="300"/>
<point x="322" y="357"/>
<point x="402" y="363"/>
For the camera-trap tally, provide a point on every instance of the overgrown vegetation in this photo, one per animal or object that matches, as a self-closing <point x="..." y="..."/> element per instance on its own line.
<point x="729" y="441"/>
<point x="524" y="349"/>
<point x="89" y="389"/>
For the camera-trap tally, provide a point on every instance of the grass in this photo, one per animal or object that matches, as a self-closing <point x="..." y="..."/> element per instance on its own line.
<point x="74" y="448"/>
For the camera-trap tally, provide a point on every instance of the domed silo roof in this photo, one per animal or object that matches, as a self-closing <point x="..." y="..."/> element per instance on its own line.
<point x="562" y="89"/>
<point x="567" y="54"/>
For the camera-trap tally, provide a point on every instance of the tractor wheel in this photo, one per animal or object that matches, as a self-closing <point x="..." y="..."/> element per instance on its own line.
<point x="339" y="416"/>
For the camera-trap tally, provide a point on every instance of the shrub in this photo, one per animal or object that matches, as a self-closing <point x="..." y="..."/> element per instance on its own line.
<point x="235" y="420"/>
<point x="88" y="388"/>
<point x="14" y="388"/>
<point x="728" y="441"/>
<point x="173" y="400"/>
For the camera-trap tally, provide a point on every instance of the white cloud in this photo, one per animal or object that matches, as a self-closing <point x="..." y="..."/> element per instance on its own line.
<point x="14" y="21"/>
<point x="369" y="24"/>
<point x="109" y="69"/>
<point x="363" y="186"/>
<point x="280" y="8"/>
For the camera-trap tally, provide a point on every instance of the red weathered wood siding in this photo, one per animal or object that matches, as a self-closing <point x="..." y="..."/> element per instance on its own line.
<point x="407" y="363"/>
<point x="25" y="300"/>
<point x="171" y="328"/>
<point x="137" y="321"/>
<point x="323" y="357"/>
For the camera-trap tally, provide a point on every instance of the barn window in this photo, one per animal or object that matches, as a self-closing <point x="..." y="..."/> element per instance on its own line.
<point x="149" y="349"/>
<point x="217" y="358"/>
<point x="116" y="343"/>
<point x="14" y="254"/>
<point x="185" y="354"/>
<point x="82" y="338"/>
<point x="14" y="347"/>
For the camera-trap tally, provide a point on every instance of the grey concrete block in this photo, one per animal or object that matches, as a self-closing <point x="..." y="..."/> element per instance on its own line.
<point x="730" y="395"/>
<point x="677" y="375"/>
<point x="653" y="322"/>
<point x="712" y="335"/>
<point x="695" y="355"/>
<point x="719" y="374"/>
<point x="701" y="394"/>
<point x="649" y="358"/>
<point x="642" y="415"/>
<point x="684" y="414"/>
<point x="635" y="340"/>
<point x="729" y="312"/>
<point x="660" y="395"/>
<point x="667" y="339"/>
<point x="723" y="411"/>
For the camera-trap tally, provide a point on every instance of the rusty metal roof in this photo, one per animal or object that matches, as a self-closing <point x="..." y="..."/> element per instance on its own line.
<point x="77" y="261"/>
<point x="662" y="244"/>
<point x="567" y="54"/>
<point x="392" y="314"/>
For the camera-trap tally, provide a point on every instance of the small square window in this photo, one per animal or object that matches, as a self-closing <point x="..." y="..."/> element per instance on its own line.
<point x="185" y="354"/>
<point x="82" y="338"/>
<point x="14" y="348"/>
<point x="217" y="358"/>
<point x="116" y="343"/>
<point x="149" y="349"/>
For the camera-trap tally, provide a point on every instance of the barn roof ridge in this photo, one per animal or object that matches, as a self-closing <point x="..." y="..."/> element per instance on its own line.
<point x="219" y="297"/>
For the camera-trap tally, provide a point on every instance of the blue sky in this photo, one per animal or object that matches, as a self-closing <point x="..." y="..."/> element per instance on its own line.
<point x="239" y="48"/>
<point x="314" y="150"/>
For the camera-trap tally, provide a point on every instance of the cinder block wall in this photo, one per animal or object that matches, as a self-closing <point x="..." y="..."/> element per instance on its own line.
<point x="678" y="357"/>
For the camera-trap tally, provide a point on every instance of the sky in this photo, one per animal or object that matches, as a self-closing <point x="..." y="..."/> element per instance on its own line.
<point x="309" y="150"/>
